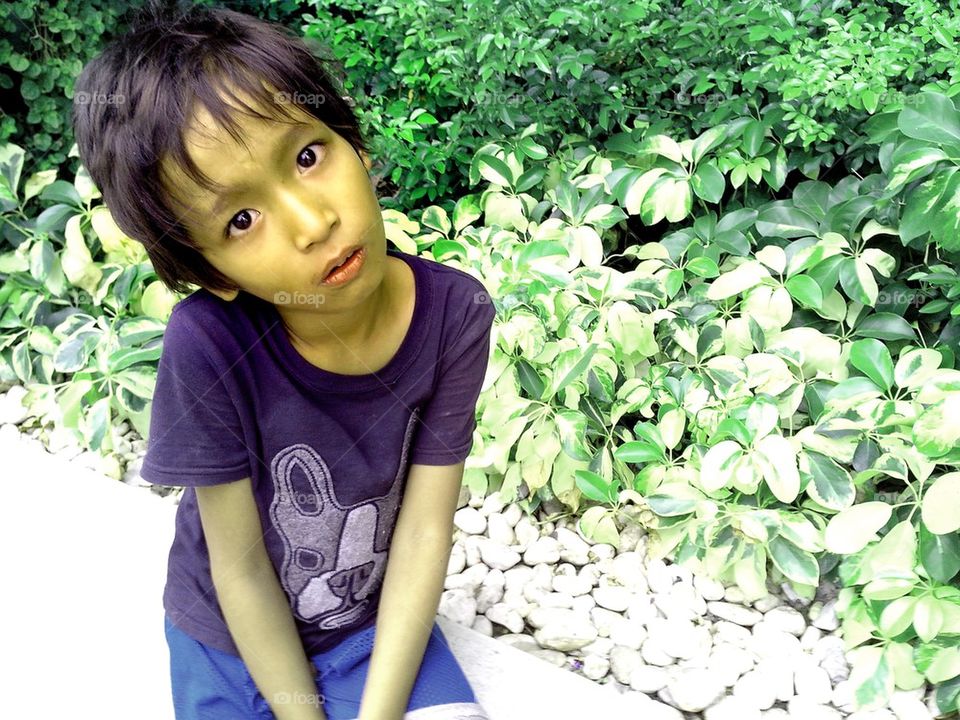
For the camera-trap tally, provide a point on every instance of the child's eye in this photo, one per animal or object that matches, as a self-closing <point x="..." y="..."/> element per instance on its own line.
<point x="307" y="157"/>
<point x="242" y="221"/>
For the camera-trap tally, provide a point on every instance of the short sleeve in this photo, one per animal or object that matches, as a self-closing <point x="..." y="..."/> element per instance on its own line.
<point x="447" y="421"/>
<point x="196" y="435"/>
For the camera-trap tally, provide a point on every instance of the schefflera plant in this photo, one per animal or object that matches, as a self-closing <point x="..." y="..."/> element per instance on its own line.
<point x="901" y="550"/>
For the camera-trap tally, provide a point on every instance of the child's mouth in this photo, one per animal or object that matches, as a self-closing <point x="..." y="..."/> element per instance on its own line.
<point x="348" y="270"/>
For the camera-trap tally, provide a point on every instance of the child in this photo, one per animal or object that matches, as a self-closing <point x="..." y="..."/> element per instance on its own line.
<point x="316" y="395"/>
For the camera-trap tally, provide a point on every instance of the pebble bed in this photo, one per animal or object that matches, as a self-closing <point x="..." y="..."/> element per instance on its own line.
<point x="688" y="644"/>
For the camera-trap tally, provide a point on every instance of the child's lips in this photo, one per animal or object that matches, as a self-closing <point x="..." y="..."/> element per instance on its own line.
<point x="346" y="271"/>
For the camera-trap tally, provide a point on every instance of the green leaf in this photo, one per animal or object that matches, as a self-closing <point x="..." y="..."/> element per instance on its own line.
<point x="636" y="194"/>
<point x="940" y="554"/>
<point x="948" y="696"/>
<point x="570" y="365"/>
<point x="945" y="666"/>
<point x="920" y="210"/>
<point x="940" y="508"/>
<point x="484" y="45"/>
<point x="74" y="352"/>
<point x="125" y="357"/>
<point x="741" y="278"/>
<point x="530" y="379"/>
<point x="911" y="160"/>
<point x="786" y="221"/>
<point x="780" y="474"/>
<point x="717" y="466"/>
<point x="737" y="220"/>
<point x="11" y="165"/>
<point x="928" y="618"/>
<point x="914" y="366"/>
<point x="858" y="282"/>
<point x="751" y="572"/>
<point x="872" y="358"/>
<point x="796" y="564"/>
<point x="669" y="506"/>
<point x="139" y="382"/>
<point x="436" y="217"/>
<point x="936" y="432"/>
<point x="532" y="149"/>
<point x="849" y="532"/>
<point x="41" y="259"/>
<point x="466" y="211"/>
<point x="37" y="182"/>
<point x="594" y="487"/>
<point x="871" y="677"/>
<point x="597" y="523"/>
<point x="708" y="183"/>
<point x="831" y="486"/>
<point x="495" y="170"/>
<point x="753" y="137"/>
<point x="932" y="117"/>
<point x="604" y="216"/>
<point x="885" y="326"/>
<point x="707" y="141"/>
<point x="805" y="290"/>
<point x="703" y="267"/>
<point x="135" y="332"/>
<point x="897" y="616"/>
<point x="670" y="199"/>
<point x="662" y="145"/>
<point x="639" y="452"/>
<point x="571" y="426"/>
<point x="889" y="588"/>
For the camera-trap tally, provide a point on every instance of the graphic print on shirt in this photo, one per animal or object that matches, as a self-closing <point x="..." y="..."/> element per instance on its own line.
<point x="335" y="556"/>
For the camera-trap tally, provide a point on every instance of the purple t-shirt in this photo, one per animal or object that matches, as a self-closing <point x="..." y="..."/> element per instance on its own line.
<point x="327" y="454"/>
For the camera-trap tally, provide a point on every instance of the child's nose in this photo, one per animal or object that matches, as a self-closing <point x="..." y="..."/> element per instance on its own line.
<point x="307" y="219"/>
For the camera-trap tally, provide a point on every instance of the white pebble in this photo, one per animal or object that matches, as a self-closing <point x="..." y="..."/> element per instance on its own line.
<point x="732" y="708"/>
<point x="503" y="614"/>
<point x="813" y="683"/>
<point x="612" y="598"/>
<point x="470" y="521"/>
<point x="542" y="550"/>
<point x="595" y="667"/>
<point x="572" y="585"/>
<point x="734" y="613"/>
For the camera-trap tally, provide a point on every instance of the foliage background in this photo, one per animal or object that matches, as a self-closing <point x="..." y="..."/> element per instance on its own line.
<point x="721" y="239"/>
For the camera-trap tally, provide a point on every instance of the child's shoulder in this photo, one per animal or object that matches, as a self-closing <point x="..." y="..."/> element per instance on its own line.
<point x="203" y="306"/>
<point x="204" y="320"/>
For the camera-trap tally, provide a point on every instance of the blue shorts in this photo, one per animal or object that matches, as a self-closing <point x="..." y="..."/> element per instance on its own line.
<point x="209" y="684"/>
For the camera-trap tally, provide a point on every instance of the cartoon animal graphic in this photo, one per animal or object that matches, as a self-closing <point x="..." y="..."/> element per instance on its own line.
<point x="335" y="556"/>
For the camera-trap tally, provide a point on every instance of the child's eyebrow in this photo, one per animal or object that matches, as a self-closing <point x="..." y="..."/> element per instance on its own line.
<point x="283" y="147"/>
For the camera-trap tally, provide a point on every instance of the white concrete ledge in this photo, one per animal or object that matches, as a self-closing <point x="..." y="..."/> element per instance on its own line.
<point x="82" y="625"/>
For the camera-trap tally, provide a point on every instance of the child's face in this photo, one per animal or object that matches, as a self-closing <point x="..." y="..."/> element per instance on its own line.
<point x="306" y="198"/>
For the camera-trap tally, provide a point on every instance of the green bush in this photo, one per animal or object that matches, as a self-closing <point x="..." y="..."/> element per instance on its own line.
<point x="435" y="80"/>
<point x="767" y="390"/>
<point x="43" y="47"/>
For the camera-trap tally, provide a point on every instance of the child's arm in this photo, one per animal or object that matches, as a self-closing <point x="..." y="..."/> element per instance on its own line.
<point x="416" y="568"/>
<point x="254" y="605"/>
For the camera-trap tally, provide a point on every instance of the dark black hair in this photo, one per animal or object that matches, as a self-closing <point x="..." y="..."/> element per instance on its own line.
<point x="132" y="104"/>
